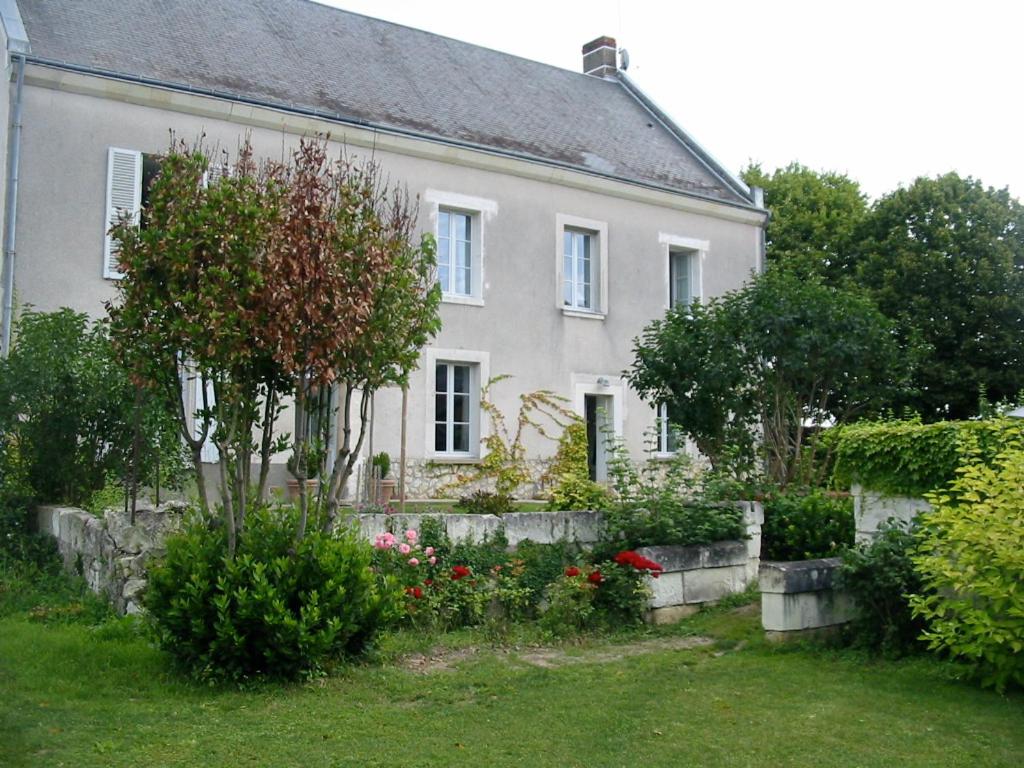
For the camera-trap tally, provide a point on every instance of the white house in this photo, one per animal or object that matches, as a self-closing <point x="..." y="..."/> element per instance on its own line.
<point x="569" y="209"/>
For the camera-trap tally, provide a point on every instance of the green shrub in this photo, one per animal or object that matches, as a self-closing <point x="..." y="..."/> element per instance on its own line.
<point x="908" y="458"/>
<point x="71" y="410"/>
<point x="880" y="577"/>
<point x="578" y="493"/>
<point x="485" y="503"/>
<point x="605" y="595"/>
<point x="806" y="524"/>
<point x="971" y="561"/>
<point x="277" y="609"/>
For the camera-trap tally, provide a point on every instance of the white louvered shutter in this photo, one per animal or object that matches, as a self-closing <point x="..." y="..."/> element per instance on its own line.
<point x="124" y="194"/>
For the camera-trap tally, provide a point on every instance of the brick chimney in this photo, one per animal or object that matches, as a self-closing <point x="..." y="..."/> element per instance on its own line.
<point x="599" y="57"/>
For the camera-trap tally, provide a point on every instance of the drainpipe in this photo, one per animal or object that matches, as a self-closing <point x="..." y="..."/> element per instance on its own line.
<point x="11" y="209"/>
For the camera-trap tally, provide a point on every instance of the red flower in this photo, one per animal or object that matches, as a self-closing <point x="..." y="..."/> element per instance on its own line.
<point x="414" y="591"/>
<point x="595" y="577"/>
<point x="572" y="570"/>
<point x="428" y="582"/>
<point x="459" y="572"/>
<point x="637" y="561"/>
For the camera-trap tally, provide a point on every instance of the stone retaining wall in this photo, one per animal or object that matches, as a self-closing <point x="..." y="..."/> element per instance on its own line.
<point x="871" y="509"/>
<point x="799" y="597"/>
<point x="111" y="553"/>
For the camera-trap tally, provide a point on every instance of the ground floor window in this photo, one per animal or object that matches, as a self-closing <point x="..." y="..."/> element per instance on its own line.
<point x="453" y="407"/>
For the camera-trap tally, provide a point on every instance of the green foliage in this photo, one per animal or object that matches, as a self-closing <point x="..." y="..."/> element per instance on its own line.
<point x="971" y="561"/>
<point x="945" y="258"/>
<point x="815" y="217"/>
<point x="784" y="351"/>
<point x="485" y="503"/>
<point x="806" y="524"/>
<point x="278" y="608"/>
<point x="382" y="463"/>
<point x="663" y="503"/>
<point x="68" y="409"/>
<point x="569" y="471"/>
<point x="605" y="595"/>
<point x="881" y="579"/>
<point x="908" y="458"/>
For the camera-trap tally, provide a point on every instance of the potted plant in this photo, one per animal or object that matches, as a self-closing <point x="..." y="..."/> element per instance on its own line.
<point x="310" y="471"/>
<point x="381" y="464"/>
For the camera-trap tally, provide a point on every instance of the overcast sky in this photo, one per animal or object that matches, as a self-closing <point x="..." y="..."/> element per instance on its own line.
<point x="881" y="91"/>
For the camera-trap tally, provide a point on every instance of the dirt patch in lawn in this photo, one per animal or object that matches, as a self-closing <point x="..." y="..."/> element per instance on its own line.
<point x="550" y="657"/>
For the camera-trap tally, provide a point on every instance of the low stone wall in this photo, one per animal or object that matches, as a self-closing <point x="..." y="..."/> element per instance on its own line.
<point x="871" y="509"/>
<point x="695" y="575"/>
<point x="109" y="552"/>
<point x="799" y="598"/>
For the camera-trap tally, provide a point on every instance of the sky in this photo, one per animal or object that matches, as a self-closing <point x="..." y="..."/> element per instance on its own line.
<point x="881" y="91"/>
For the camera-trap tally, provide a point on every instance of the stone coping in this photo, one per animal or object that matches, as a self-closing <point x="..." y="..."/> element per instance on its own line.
<point x="798" y="575"/>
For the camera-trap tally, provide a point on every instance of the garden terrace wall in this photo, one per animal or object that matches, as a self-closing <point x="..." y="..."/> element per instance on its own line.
<point x="871" y="509"/>
<point x="111" y="553"/>
<point x="799" y="598"/>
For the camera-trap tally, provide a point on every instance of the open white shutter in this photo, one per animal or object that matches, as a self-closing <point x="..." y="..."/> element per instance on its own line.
<point x="124" y="194"/>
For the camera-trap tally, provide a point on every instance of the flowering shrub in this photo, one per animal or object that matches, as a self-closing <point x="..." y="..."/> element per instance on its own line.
<point x="610" y="593"/>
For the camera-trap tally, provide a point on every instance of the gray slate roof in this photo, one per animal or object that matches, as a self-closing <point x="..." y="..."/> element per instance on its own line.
<point x="300" y="55"/>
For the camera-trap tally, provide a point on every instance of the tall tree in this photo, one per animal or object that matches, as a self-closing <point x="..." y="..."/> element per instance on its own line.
<point x="945" y="257"/>
<point x="815" y="217"/>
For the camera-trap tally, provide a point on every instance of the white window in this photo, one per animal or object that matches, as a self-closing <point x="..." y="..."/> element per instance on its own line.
<point x="680" y="277"/>
<point x="579" y="270"/>
<point x="668" y="439"/>
<point x="454" y="379"/>
<point x="455" y="252"/>
<point x="684" y="268"/>
<point x="458" y="221"/>
<point x="453" y="408"/>
<point x="582" y="266"/>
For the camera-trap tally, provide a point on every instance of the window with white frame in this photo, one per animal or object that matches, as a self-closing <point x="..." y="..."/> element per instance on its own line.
<point x="455" y="252"/>
<point x="579" y="270"/>
<point x="668" y="439"/>
<point x="681" y="277"/>
<point x="456" y="404"/>
<point x="582" y="266"/>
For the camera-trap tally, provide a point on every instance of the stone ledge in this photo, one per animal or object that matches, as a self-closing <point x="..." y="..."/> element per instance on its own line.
<point x="798" y="575"/>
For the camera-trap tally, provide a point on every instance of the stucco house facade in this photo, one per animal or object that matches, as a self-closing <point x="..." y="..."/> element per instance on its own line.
<point x="570" y="211"/>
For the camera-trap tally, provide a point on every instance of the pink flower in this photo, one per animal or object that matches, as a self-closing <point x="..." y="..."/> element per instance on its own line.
<point x="413" y="562"/>
<point x="432" y="560"/>
<point x="382" y="541"/>
<point x="405" y="549"/>
<point x="428" y="551"/>
<point x="411" y="536"/>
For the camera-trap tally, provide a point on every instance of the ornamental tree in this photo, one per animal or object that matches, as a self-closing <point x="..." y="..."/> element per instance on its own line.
<point x="781" y="355"/>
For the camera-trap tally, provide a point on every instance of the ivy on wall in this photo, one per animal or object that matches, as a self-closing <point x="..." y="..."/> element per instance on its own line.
<point x="908" y="458"/>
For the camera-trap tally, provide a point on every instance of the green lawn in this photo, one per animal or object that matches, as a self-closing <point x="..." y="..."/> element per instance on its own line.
<point x="77" y="697"/>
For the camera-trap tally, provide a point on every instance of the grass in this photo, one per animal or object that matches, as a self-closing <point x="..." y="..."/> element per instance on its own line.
<point x="101" y="696"/>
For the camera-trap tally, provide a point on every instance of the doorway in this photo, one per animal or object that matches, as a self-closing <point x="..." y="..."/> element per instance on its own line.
<point x="597" y="411"/>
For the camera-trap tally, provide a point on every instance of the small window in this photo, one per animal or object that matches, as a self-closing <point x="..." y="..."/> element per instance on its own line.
<point x="579" y="270"/>
<point x="455" y="252"/>
<point x="668" y="438"/>
<point x="681" y="278"/>
<point x="454" y="408"/>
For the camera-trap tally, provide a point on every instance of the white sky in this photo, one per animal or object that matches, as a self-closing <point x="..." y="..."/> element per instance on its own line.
<point x="882" y="91"/>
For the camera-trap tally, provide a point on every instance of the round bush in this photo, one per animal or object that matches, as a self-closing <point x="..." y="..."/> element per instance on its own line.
<point x="971" y="559"/>
<point x="277" y="608"/>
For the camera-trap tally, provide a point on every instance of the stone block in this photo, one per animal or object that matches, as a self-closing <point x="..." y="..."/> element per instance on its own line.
<point x="670" y="614"/>
<point x="471" y="527"/>
<point x="721" y="554"/>
<point x="799" y="611"/>
<point x="798" y="575"/>
<point x="667" y="589"/>
<point x="871" y="509"/>
<point x="708" y="584"/>
<point x="754" y="545"/>
<point x="753" y="513"/>
<point x="675" y="558"/>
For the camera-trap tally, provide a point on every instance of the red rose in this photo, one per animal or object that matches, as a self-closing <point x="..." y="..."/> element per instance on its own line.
<point x="414" y="592"/>
<point x="572" y="570"/>
<point x="595" y="577"/>
<point x="459" y="572"/>
<point x="428" y="582"/>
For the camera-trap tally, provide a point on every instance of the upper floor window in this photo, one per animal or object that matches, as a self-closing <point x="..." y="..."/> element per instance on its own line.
<point x="455" y="252"/>
<point x="579" y="270"/>
<point x="582" y="266"/>
<point x="680" y="277"/>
